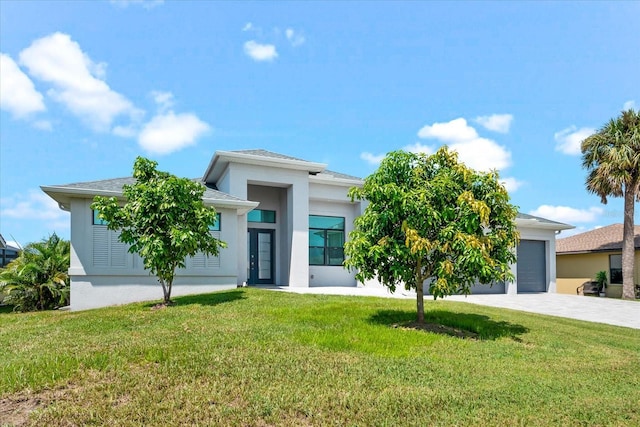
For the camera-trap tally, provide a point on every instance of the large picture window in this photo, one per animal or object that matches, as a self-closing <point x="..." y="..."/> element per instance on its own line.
<point x="615" y="268"/>
<point x="326" y="240"/>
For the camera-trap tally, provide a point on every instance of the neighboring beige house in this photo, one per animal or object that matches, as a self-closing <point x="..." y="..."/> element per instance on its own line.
<point x="579" y="258"/>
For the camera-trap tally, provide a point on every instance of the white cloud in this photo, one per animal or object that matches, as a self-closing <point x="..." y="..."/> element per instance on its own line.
<point x="35" y="205"/>
<point x="247" y="27"/>
<point x="496" y="122"/>
<point x="419" y="148"/>
<point x="169" y="132"/>
<point x="568" y="140"/>
<point x="456" y="130"/>
<point x="147" y="4"/>
<point x="77" y="81"/>
<point x="260" y="52"/>
<point x="482" y="154"/>
<point x="295" y="38"/>
<point x="373" y="159"/>
<point x="164" y="100"/>
<point x="478" y="153"/>
<point x="629" y="105"/>
<point x="18" y="95"/>
<point x="567" y="214"/>
<point x="511" y="184"/>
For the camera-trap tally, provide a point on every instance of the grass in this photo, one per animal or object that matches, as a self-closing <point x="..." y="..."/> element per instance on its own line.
<point x="257" y="357"/>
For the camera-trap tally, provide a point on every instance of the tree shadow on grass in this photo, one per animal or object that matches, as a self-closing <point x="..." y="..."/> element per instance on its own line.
<point x="6" y="309"/>
<point x="461" y="325"/>
<point x="211" y="299"/>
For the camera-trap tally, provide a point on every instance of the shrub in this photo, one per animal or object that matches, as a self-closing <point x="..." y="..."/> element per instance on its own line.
<point x="38" y="278"/>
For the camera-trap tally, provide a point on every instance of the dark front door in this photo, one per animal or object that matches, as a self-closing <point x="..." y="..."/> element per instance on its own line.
<point x="260" y="244"/>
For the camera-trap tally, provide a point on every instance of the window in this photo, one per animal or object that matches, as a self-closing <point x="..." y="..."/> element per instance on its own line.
<point x="261" y="215"/>
<point x="615" y="268"/>
<point x="216" y="225"/>
<point x="97" y="220"/>
<point x="326" y="240"/>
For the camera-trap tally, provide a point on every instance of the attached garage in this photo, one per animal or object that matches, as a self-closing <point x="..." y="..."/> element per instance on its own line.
<point x="535" y="268"/>
<point x="532" y="266"/>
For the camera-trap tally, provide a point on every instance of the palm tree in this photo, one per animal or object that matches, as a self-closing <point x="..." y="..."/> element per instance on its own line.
<point x="38" y="279"/>
<point x="612" y="159"/>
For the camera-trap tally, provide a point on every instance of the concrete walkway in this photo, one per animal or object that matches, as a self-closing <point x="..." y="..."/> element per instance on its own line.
<point x="591" y="309"/>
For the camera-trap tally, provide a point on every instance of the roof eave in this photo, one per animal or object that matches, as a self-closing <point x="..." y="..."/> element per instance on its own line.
<point x="534" y="223"/>
<point x="63" y="196"/>
<point x="331" y="180"/>
<point x="221" y="159"/>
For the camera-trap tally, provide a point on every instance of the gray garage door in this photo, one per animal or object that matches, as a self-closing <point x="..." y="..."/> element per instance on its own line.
<point x="532" y="267"/>
<point x="496" y="288"/>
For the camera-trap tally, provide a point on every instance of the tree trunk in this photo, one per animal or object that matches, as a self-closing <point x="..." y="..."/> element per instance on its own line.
<point x="164" y="290"/>
<point x="628" y="250"/>
<point x="419" y="293"/>
<point x="167" y="295"/>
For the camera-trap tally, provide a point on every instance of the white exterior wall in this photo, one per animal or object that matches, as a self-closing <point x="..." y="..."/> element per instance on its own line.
<point x="104" y="273"/>
<point x="334" y="275"/>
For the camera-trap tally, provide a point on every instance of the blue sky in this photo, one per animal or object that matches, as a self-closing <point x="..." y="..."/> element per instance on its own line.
<point x="88" y="86"/>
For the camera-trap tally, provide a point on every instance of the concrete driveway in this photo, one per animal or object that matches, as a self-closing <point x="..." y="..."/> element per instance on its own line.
<point x="591" y="309"/>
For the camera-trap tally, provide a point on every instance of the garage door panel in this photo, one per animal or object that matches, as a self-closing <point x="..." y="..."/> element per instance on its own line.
<point x="531" y="266"/>
<point x="496" y="288"/>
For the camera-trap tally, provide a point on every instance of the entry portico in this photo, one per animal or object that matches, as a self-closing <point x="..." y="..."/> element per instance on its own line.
<point x="281" y="185"/>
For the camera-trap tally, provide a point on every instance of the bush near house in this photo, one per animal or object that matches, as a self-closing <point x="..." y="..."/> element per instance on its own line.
<point x="38" y="279"/>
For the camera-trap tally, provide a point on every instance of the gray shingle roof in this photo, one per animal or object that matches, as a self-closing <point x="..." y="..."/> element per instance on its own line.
<point x="602" y="239"/>
<point x="115" y="186"/>
<point x="271" y="154"/>
<point x="340" y="175"/>
<point x="537" y="218"/>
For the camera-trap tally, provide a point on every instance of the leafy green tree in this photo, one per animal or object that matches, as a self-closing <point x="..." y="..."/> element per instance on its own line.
<point x="163" y="219"/>
<point x="431" y="219"/>
<point x="38" y="278"/>
<point x="612" y="159"/>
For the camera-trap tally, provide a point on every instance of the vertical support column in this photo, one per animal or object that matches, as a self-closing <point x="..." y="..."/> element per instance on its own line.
<point x="550" y="251"/>
<point x="298" y="232"/>
<point x="242" y="250"/>
<point x="511" y="288"/>
<point x="238" y="187"/>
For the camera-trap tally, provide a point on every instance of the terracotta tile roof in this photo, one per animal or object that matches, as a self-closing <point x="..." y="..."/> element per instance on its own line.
<point x="602" y="239"/>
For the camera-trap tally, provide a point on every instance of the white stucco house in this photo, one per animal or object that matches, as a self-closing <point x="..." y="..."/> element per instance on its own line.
<point x="285" y="221"/>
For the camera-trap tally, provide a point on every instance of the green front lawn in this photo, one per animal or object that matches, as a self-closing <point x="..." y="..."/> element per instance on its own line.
<point x="257" y="357"/>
